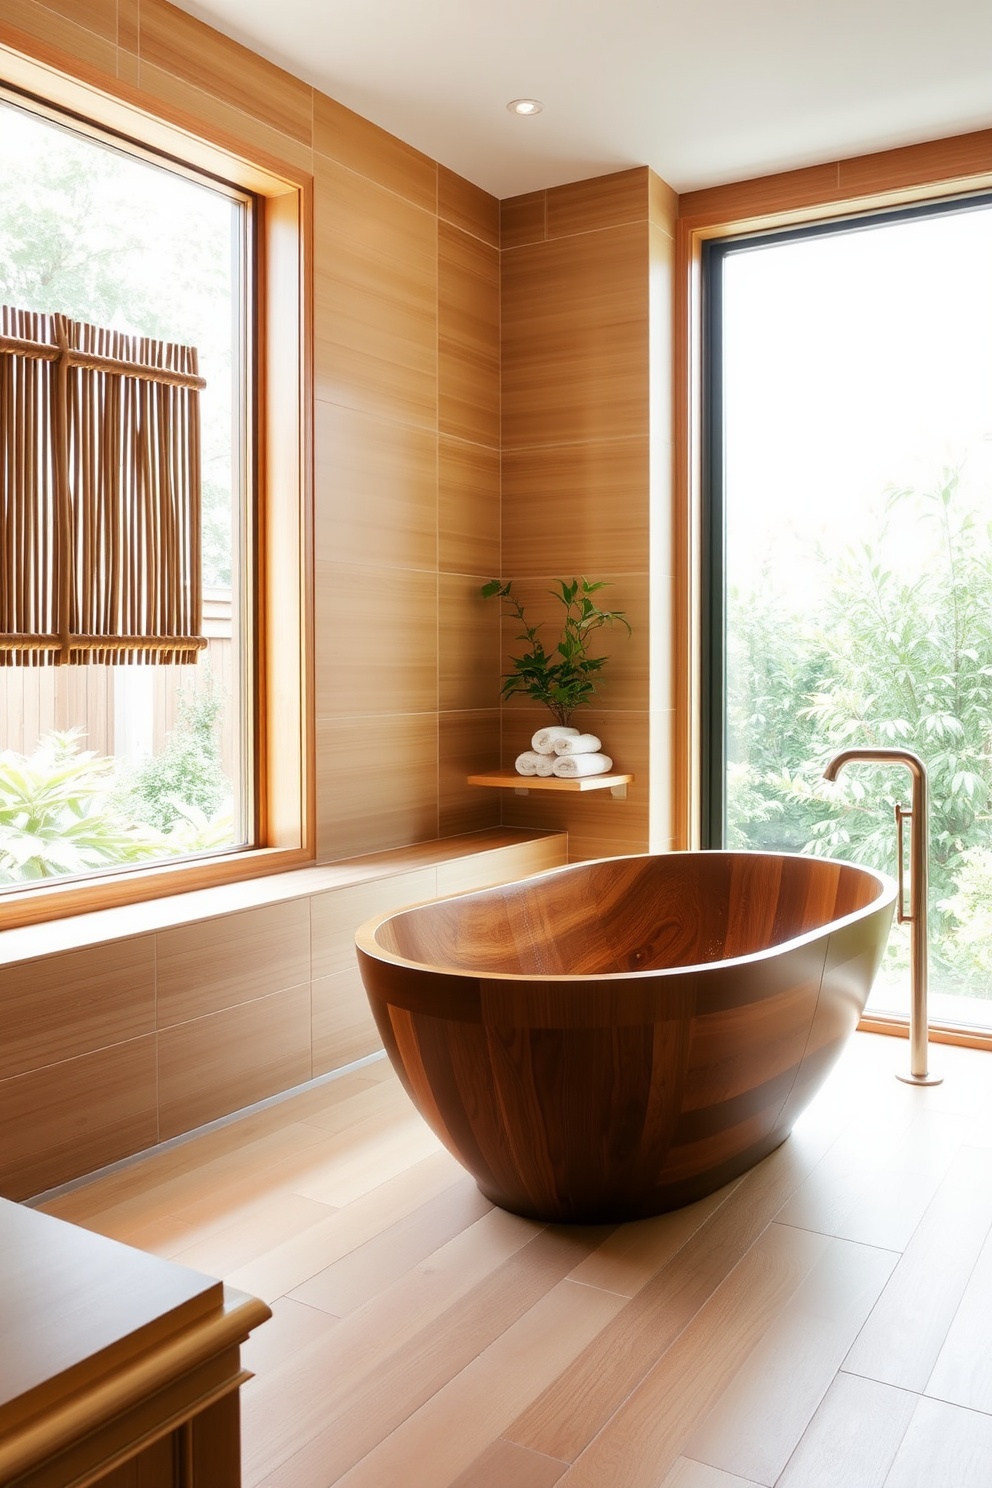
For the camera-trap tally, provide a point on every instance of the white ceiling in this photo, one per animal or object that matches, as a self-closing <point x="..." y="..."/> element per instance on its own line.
<point x="705" y="91"/>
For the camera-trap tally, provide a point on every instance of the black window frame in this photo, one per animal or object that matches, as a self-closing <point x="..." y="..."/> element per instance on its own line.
<point x="713" y="524"/>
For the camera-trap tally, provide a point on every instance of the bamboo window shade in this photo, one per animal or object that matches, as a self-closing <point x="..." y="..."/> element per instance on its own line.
<point x="99" y="495"/>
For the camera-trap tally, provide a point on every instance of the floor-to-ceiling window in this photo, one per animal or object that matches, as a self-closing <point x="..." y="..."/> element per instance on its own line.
<point x="849" y="552"/>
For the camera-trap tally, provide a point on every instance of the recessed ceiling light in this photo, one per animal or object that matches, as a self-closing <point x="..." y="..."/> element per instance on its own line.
<point x="525" y="106"/>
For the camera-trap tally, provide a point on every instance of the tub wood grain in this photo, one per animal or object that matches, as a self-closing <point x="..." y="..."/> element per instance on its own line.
<point x="613" y="1039"/>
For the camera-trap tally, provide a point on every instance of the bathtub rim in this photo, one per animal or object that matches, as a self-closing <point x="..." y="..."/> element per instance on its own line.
<point x="366" y="943"/>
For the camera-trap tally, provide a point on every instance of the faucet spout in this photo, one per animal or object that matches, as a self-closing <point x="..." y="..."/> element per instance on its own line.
<point x="916" y="915"/>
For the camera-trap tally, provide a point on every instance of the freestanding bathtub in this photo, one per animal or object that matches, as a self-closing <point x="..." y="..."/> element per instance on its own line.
<point x="613" y="1039"/>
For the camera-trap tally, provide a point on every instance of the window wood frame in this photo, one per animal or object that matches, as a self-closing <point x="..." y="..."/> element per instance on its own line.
<point x="281" y="426"/>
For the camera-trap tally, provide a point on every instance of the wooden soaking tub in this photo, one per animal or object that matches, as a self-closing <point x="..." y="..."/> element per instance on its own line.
<point x="616" y="1038"/>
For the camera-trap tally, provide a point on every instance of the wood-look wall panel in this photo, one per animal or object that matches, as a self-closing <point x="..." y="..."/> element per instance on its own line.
<point x="376" y="783"/>
<point x="336" y="915"/>
<point x="468" y="498"/>
<point x="573" y="509"/>
<point x="218" y="1064"/>
<point x="915" y="165"/>
<point x="209" y="965"/>
<point x="459" y="876"/>
<point x="69" y="1118"/>
<point x="94" y="15"/>
<point x="468" y="744"/>
<point x="625" y="679"/>
<point x="177" y="42"/>
<point x="523" y="219"/>
<point x="468" y="644"/>
<point x="661" y="253"/>
<point x="129" y="68"/>
<point x="376" y="298"/>
<point x="777" y="193"/>
<point x="369" y="151"/>
<point x="57" y="30"/>
<point x="128" y="24"/>
<point x="240" y="132"/>
<point x="59" y="1007"/>
<point x="663" y="203"/>
<point x="597" y="825"/>
<point x="379" y="632"/>
<point x="468" y="336"/>
<point x="467" y="206"/>
<point x="375" y="490"/>
<point x="342" y="1025"/>
<point x="604" y="201"/>
<point x="575" y="338"/>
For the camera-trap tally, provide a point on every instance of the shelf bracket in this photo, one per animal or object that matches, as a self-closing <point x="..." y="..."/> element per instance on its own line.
<point x="619" y="792"/>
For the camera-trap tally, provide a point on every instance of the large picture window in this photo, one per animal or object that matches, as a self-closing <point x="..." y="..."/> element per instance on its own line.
<point x="848" y="516"/>
<point x="143" y="760"/>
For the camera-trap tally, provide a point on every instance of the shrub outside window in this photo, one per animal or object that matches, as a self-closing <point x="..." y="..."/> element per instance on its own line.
<point x="106" y="766"/>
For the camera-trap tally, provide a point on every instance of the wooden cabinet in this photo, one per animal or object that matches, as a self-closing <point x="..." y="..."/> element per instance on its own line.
<point x="117" y="1368"/>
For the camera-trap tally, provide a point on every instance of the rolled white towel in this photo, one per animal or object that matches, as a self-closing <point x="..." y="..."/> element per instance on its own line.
<point x="543" y="741"/>
<point x="531" y="763"/>
<point x="581" y="744"/>
<point x="571" y="767"/>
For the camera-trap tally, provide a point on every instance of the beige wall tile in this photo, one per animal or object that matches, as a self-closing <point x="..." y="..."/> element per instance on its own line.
<point x="234" y="959"/>
<point x="467" y="206"/>
<point x="214" y="1065"/>
<point x="468" y="744"/>
<point x="184" y="46"/>
<point x="576" y="509"/>
<point x="337" y="914"/>
<point x="603" y="201"/>
<point x="661" y="749"/>
<point x="343" y="1027"/>
<point x="662" y="329"/>
<point x="66" y="1119"/>
<point x="376" y="783"/>
<point x="468" y="336"/>
<point x="468" y="496"/>
<point x="468" y="644"/>
<point x="375" y="490"/>
<point x="376" y="640"/>
<point x="369" y="151"/>
<point x="62" y="1006"/>
<point x="575" y="338"/>
<point x="523" y="219"/>
<point x="376" y="298"/>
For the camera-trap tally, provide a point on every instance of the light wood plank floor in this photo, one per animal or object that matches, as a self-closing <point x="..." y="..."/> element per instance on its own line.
<point x="823" y="1322"/>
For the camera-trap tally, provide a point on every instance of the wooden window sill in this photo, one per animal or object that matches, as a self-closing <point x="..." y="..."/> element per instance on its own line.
<point x="27" y="942"/>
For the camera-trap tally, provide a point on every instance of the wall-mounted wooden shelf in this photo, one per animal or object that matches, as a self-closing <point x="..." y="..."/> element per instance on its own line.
<point x="522" y="784"/>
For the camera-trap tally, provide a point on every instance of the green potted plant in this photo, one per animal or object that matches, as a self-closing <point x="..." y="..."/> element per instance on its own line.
<point x="565" y="677"/>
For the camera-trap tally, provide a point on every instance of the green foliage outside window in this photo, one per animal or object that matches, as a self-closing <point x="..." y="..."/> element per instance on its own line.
<point x="67" y="810"/>
<point x="900" y="654"/>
